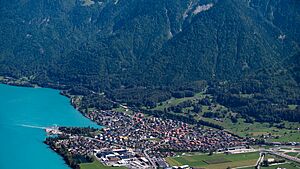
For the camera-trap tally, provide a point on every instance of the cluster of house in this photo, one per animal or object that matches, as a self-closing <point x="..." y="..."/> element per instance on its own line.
<point x="137" y="141"/>
<point x="137" y="131"/>
<point x="79" y="145"/>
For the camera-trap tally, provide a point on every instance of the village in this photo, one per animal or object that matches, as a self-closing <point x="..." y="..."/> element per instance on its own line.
<point x="139" y="141"/>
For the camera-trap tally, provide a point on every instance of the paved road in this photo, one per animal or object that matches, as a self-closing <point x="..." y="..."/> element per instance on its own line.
<point x="149" y="158"/>
<point x="291" y="158"/>
<point x="260" y="160"/>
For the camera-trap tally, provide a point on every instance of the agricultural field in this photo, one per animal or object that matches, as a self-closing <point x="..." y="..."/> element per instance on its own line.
<point x="215" y="161"/>
<point x="97" y="165"/>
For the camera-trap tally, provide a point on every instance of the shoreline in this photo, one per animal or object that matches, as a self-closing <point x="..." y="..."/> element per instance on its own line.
<point x="12" y="82"/>
<point x="73" y="100"/>
<point x="62" y="155"/>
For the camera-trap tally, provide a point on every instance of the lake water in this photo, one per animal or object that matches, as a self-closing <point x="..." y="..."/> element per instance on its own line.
<point x="23" y="147"/>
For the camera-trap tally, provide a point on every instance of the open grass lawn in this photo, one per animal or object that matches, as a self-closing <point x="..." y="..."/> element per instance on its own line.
<point x="292" y="106"/>
<point x="216" y="161"/>
<point x="97" y="165"/>
<point x="176" y="101"/>
<point x="171" y="102"/>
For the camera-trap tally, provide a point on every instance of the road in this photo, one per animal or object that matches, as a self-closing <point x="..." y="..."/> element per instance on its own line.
<point x="291" y="158"/>
<point x="260" y="160"/>
<point x="149" y="158"/>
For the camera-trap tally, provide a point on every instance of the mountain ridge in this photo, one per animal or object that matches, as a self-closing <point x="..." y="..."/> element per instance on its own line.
<point x="115" y="43"/>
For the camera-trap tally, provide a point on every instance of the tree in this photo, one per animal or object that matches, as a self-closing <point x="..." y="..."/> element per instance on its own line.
<point x="233" y="119"/>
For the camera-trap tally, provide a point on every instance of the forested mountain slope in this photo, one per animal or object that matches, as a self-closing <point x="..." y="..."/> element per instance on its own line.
<point x="106" y="45"/>
<point x="122" y="40"/>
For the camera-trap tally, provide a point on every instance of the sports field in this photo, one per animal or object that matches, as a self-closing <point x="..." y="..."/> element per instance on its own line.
<point x="216" y="161"/>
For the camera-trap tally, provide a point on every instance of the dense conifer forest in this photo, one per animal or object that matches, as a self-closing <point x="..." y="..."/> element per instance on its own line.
<point x="245" y="53"/>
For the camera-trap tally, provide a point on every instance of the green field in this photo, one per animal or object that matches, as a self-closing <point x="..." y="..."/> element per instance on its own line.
<point x="121" y="109"/>
<point x="285" y="148"/>
<point x="97" y="165"/>
<point x="292" y="106"/>
<point x="176" y="101"/>
<point x="287" y="134"/>
<point x="216" y="161"/>
<point x="257" y="129"/>
<point x="294" y="154"/>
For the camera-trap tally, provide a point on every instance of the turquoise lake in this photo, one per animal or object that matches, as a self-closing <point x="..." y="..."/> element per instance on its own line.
<point x="21" y="145"/>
